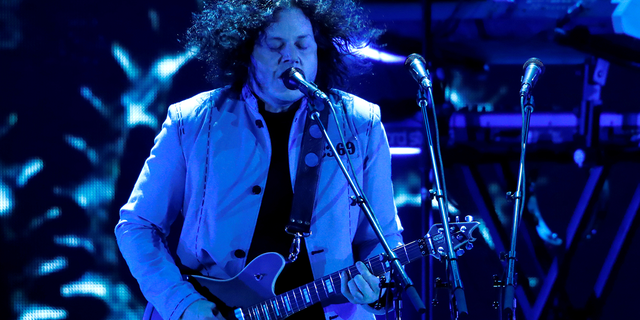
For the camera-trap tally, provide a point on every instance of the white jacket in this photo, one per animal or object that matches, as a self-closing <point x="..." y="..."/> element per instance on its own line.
<point x="212" y="150"/>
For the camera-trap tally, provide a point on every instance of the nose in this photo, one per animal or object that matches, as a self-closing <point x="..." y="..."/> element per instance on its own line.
<point x="290" y="55"/>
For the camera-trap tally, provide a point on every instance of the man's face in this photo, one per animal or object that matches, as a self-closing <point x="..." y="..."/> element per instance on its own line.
<point x="286" y="43"/>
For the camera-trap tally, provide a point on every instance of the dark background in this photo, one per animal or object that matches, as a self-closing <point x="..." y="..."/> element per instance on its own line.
<point x="85" y="85"/>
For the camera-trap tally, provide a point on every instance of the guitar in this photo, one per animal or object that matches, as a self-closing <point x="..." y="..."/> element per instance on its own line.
<point x="249" y="295"/>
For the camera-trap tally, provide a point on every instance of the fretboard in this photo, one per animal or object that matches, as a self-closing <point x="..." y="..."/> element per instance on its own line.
<point x="298" y="299"/>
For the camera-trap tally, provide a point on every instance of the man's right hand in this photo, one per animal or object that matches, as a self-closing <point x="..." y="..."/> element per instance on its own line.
<point x="201" y="310"/>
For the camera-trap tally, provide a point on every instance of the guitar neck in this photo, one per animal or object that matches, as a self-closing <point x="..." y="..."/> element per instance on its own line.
<point x="298" y="299"/>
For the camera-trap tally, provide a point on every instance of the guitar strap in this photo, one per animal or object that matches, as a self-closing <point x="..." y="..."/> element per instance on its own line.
<point x="306" y="182"/>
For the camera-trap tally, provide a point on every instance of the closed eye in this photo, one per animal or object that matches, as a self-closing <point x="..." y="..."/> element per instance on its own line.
<point x="275" y="45"/>
<point x="276" y="48"/>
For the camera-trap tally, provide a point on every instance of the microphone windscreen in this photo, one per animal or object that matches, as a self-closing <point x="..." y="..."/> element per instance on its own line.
<point x="411" y="58"/>
<point x="534" y="61"/>
<point x="289" y="77"/>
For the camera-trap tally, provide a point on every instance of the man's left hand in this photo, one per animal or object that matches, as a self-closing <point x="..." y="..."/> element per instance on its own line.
<point x="364" y="288"/>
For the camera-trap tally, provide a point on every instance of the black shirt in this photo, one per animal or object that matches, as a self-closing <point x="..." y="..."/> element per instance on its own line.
<point x="269" y="235"/>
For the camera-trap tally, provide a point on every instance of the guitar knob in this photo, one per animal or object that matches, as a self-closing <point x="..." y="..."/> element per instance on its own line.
<point x="460" y="252"/>
<point x="463" y="229"/>
<point x="468" y="218"/>
<point x="469" y="246"/>
<point x="441" y="250"/>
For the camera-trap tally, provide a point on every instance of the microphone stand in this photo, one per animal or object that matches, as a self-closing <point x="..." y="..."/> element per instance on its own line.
<point x="457" y="301"/>
<point x="509" y="285"/>
<point x="404" y="282"/>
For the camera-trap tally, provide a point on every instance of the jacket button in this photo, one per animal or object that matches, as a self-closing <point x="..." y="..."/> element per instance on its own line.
<point x="239" y="254"/>
<point x="256" y="189"/>
<point x="259" y="123"/>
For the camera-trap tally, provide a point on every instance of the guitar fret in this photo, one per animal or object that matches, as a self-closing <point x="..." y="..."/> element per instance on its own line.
<point x="306" y="296"/>
<point x="280" y="305"/>
<point x="376" y="269"/>
<point x="295" y="299"/>
<point x="315" y="289"/>
<point x="287" y="303"/>
<point x="328" y="286"/>
<point x="274" y="306"/>
<point x="269" y="314"/>
<point x="323" y="289"/>
<point x="284" y="305"/>
<point x="261" y="312"/>
<point x="311" y="291"/>
<point x="255" y="314"/>
<point x="331" y="279"/>
<point x="300" y="299"/>
<point x="265" y="310"/>
<point x="405" y="253"/>
<point x="303" y="297"/>
<point x="384" y="266"/>
<point x="290" y="296"/>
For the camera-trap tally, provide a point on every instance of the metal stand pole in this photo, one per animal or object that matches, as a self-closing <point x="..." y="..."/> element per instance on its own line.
<point x="457" y="299"/>
<point x="509" y="285"/>
<point x="402" y="279"/>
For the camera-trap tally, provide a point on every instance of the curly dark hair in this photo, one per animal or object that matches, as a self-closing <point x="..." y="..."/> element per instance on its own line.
<point x="226" y="30"/>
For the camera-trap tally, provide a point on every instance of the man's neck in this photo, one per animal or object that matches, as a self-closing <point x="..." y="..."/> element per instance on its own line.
<point x="275" y="108"/>
<point x="262" y="106"/>
<point x="271" y="105"/>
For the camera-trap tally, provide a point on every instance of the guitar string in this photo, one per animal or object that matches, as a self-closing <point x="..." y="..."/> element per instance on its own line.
<point x="412" y="249"/>
<point x="375" y="265"/>
<point x="409" y="251"/>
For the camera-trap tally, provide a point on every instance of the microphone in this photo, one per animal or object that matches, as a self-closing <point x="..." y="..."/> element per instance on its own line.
<point x="533" y="69"/>
<point x="417" y="67"/>
<point x="294" y="79"/>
